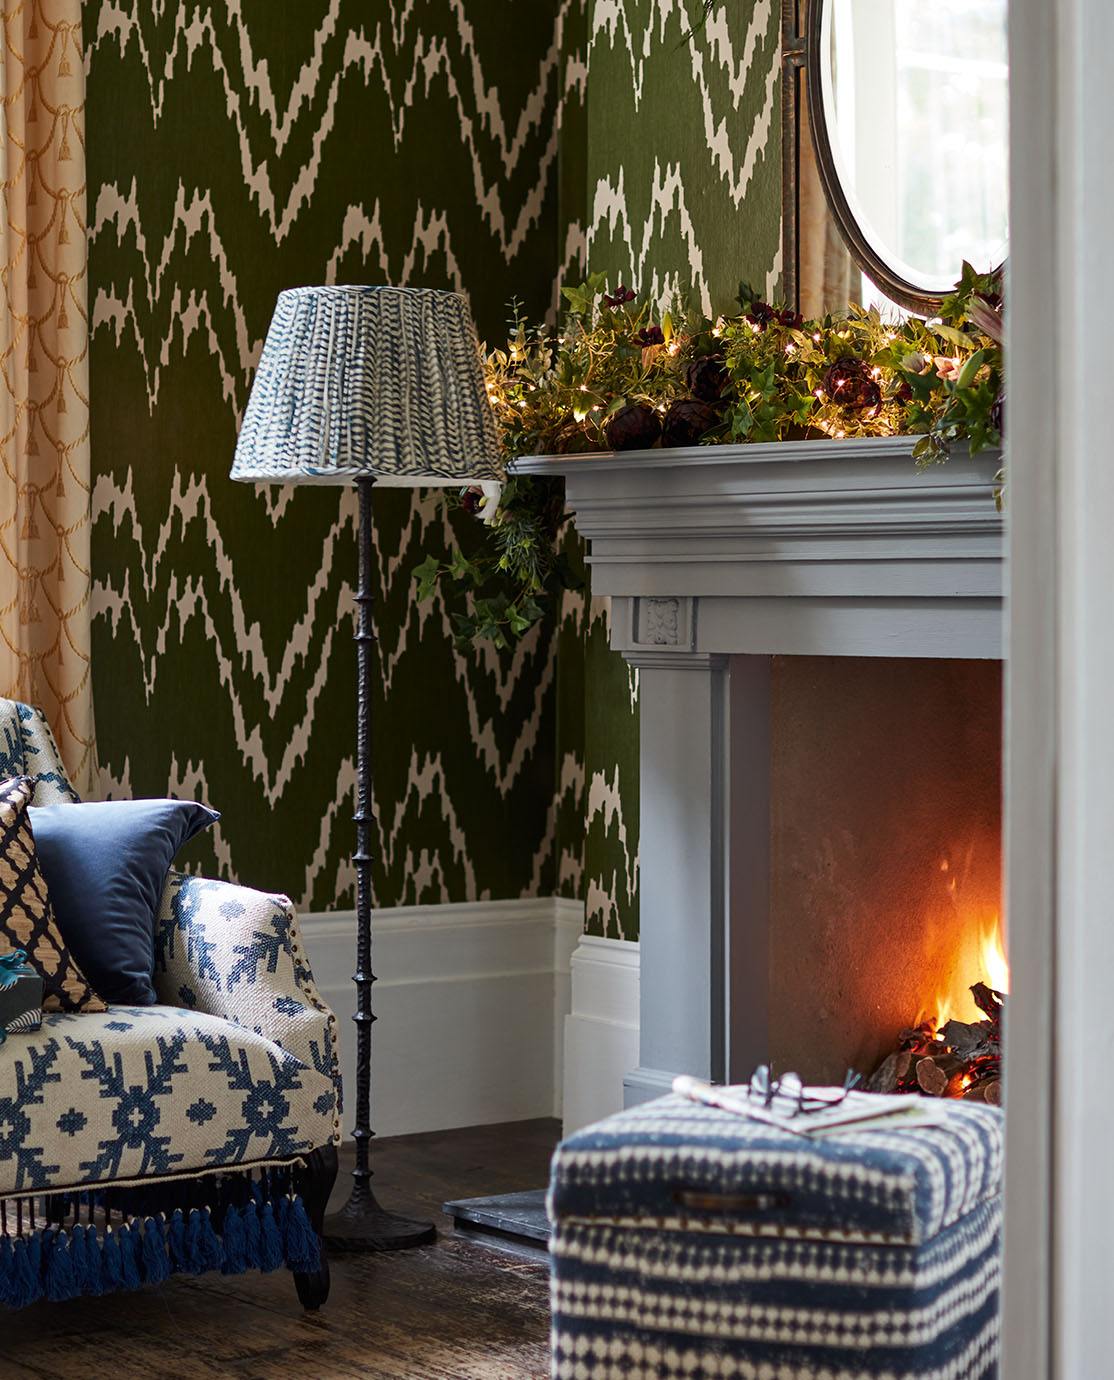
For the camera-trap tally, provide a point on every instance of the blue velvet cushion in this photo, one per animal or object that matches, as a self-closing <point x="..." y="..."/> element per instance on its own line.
<point x="105" y="864"/>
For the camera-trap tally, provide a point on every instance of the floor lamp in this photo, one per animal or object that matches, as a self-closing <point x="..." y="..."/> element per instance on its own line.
<point x="366" y="386"/>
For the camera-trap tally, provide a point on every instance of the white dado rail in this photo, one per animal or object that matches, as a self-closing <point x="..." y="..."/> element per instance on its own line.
<point x="715" y="559"/>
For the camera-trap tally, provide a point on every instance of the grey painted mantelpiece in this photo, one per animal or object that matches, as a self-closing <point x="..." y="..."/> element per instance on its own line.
<point x="715" y="559"/>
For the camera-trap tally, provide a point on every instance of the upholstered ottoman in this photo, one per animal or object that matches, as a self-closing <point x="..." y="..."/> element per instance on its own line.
<point x="690" y="1242"/>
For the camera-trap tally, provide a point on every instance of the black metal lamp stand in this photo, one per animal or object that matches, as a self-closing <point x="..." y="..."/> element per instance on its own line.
<point x="362" y="1224"/>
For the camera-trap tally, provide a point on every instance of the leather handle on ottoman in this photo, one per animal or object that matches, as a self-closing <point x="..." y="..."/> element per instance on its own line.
<point x="731" y="1204"/>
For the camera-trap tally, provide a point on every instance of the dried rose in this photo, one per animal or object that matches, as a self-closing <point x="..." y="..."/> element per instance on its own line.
<point x="634" y="427"/>
<point x="687" y="421"/>
<point x="707" y="378"/>
<point x="850" y="383"/>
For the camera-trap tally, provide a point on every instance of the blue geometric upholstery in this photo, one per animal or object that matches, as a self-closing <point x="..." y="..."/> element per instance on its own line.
<point x="233" y="1078"/>
<point x="27" y="748"/>
<point x="143" y="1091"/>
<point x="232" y="952"/>
<point x="689" y="1241"/>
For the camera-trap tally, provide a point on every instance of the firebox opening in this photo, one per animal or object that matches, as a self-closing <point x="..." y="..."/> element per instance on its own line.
<point x="886" y="865"/>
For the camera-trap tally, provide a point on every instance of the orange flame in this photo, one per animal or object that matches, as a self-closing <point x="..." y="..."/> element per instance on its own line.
<point x="994" y="962"/>
<point x="994" y="970"/>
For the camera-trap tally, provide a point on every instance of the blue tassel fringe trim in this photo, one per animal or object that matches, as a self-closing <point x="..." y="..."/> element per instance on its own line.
<point x="60" y="1262"/>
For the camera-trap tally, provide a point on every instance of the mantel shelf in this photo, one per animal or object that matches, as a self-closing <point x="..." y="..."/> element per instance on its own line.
<point x="810" y="547"/>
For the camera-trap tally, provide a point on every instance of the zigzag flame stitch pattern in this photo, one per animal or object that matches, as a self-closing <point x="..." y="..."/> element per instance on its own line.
<point x="432" y="58"/>
<point x="222" y="616"/>
<point x="611" y="806"/>
<point x="684" y="186"/>
<point x="706" y="153"/>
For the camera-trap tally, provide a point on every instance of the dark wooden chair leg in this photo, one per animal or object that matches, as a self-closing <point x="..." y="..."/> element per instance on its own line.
<point x="315" y="1183"/>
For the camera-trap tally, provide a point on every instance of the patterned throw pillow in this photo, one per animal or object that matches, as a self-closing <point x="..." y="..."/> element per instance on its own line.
<point x="26" y="917"/>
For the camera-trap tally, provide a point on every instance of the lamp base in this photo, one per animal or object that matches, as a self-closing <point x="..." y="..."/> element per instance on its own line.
<point x="363" y="1225"/>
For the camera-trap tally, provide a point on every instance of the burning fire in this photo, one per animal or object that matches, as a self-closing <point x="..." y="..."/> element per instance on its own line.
<point x="955" y="1050"/>
<point x="994" y="962"/>
<point x="981" y="958"/>
<point x="993" y="969"/>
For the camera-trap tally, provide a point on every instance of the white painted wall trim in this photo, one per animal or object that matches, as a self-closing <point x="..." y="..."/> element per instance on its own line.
<point x="471" y="999"/>
<point x="601" y="1030"/>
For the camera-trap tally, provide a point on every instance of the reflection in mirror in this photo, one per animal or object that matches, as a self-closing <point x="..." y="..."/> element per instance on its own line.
<point x="915" y="103"/>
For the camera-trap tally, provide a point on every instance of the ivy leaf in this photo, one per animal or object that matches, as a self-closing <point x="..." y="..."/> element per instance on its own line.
<point x="922" y="386"/>
<point x="951" y="335"/>
<point x="742" y="420"/>
<point x="929" y="450"/>
<point x="581" y="297"/>
<point x="427" y="575"/>
<point x="464" y="570"/>
<point x="747" y="296"/>
<point x="464" y="628"/>
<point x="518" y="621"/>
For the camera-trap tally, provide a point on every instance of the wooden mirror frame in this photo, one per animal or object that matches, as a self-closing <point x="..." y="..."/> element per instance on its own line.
<point x="801" y="27"/>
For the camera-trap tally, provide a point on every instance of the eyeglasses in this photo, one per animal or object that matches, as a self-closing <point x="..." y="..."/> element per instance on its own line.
<point x="787" y="1095"/>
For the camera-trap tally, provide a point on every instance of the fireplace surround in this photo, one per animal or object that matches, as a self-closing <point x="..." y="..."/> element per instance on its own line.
<point x="802" y="616"/>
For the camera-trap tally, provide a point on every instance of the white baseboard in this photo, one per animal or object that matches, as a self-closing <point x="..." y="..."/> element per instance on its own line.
<point x="568" y="931"/>
<point x="471" y="1000"/>
<point x="601" y="1030"/>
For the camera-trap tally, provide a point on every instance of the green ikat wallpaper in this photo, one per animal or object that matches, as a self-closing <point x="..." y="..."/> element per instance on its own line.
<point x="234" y="149"/>
<point x="240" y="147"/>
<point x="684" y="196"/>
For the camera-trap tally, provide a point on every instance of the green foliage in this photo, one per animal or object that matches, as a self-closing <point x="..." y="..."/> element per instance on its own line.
<point x="501" y="589"/>
<point x="854" y="374"/>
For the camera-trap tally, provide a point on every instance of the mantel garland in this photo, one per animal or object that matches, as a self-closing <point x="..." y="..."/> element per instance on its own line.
<point x="619" y="376"/>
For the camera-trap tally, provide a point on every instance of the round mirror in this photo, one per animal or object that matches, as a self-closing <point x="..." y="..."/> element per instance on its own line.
<point x="909" y="115"/>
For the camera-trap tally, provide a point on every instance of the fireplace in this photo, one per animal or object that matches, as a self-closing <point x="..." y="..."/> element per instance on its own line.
<point x="817" y="629"/>
<point x="885" y="898"/>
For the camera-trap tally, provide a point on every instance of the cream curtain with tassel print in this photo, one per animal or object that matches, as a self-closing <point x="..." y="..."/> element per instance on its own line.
<point x="44" y="407"/>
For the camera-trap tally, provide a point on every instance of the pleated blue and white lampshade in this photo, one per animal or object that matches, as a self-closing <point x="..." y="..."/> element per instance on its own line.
<point x="369" y="381"/>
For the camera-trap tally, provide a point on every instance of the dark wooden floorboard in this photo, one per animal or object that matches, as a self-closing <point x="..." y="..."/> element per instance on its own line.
<point x="451" y="1311"/>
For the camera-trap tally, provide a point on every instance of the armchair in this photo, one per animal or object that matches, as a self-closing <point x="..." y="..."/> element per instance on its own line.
<point x="196" y="1134"/>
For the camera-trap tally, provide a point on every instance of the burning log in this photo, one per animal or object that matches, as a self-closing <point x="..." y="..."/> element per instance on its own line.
<point x="961" y="1059"/>
<point x="931" y="1077"/>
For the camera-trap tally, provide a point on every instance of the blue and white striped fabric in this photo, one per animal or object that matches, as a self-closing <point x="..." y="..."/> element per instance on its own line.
<point x="691" y="1242"/>
<point x="29" y="1020"/>
<point x="369" y="381"/>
